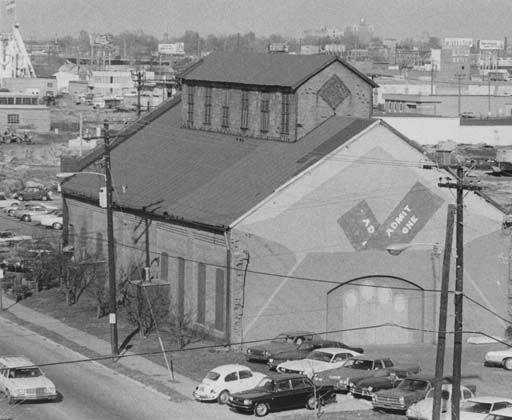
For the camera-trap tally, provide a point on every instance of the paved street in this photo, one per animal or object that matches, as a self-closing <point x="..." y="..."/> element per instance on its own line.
<point x="90" y="391"/>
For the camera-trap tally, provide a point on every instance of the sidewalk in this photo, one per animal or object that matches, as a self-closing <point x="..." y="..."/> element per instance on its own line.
<point x="140" y="365"/>
<point x="181" y="384"/>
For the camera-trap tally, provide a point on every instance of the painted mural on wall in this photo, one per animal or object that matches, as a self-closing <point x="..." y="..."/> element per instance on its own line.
<point x="401" y="226"/>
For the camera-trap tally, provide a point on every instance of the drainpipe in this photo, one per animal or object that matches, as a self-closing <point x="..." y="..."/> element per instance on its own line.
<point x="228" y="285"/>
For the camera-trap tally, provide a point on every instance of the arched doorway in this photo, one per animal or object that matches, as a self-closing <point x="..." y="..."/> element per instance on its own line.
<point x="374" y="300"/>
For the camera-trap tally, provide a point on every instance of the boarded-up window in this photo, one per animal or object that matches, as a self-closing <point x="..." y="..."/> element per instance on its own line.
<point x="164" y="266"/>
<point x="265" y="111"/>
<point x="201" y="292"/>
<point x="244" y="123"/>
<point x="219" y="299"/>
<point x="181" y="287"/>
<point x="207" y="106"/>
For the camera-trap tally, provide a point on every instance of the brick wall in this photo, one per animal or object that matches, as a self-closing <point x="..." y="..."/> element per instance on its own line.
<point x="36" y="119"/>
<point x="234" y="101"/>
<point x="313" y="109"/>
<point x="185" y="249"/>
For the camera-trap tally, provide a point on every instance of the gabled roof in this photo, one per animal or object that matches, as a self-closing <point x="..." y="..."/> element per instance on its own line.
<point x="258" y="69"/>
<point x="201" y="177"/>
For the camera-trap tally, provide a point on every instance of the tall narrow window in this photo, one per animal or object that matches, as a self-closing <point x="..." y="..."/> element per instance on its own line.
<point x="244" y="123"/>
<point x="201" y="293"/>
<point x="208" y="106"/>
<point x="219" y="300"/>
<point x="190" y="102"/>
<point x="164" y="266"/>
<point x="285" y="114"/>
<point x="265" y="109"/>
<point x="225" y="110"/>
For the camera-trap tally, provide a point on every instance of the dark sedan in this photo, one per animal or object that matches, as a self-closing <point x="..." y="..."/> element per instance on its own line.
<point x="304" y="349"/>
<point x="382" y="379"/>
<point x="280" y="392"/>
<point x="286" y="341"/>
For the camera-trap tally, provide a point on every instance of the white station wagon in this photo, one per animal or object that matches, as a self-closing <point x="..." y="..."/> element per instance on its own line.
<point x="318" y="361"/>
<point x="224" y="380"/>
<point x="501" y="358"/>
<point x="21" y="380"/>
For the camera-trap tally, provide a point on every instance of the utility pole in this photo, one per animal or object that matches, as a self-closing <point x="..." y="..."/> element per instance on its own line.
<point x="443" y="307"/>
<point x="460" y="185"/>
<point x="110" y="241"/>
<point x="140" y="85"/>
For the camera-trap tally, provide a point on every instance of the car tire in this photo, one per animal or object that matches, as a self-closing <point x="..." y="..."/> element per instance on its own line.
<point x="312" y="403"/>
<point x="223" y="397"/>
<point x="57" y="226"/>
<point x="10" y="399"/>
<point x="25" y="218"/>
<point x="507" y="364"/>
<point x="261" y="409"/>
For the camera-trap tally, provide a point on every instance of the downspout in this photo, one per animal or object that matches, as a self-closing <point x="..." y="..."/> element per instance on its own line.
<point x="227" y="243"/>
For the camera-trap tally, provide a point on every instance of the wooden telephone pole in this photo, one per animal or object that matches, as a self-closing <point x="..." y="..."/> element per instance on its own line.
<point x="460" y="185"/>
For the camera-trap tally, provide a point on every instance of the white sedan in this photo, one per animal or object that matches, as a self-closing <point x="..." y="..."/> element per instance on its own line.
<point x="224" y="380"/>
<point x="52" y="219"/>
<point x="317" y="361"/>
<point x="502" y="358"/>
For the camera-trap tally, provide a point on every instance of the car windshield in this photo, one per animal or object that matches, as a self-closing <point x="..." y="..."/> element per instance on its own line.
<point x="477" y="407"/>
<point x="413" y="385"/>
<point x="359" y="364"/>
<point x="30" y="372"/>
<point x="320" y="355"/>
<point x="212" y="376"/>
<point x="266" y="383"/>
<point x="282" y="338"/>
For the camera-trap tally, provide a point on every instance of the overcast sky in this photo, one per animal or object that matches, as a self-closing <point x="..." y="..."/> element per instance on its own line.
<point x="482" y="19"/>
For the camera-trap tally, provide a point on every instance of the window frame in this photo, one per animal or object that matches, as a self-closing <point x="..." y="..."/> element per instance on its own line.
<point x="285" y="114"/>
<point x="190" y="104"/>
<point x="11" y="117"/>
<point x="225" y="110"/>
<point x="207" y="105"/>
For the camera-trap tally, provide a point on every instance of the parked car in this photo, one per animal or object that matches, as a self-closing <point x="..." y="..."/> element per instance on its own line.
<point x="8" y="237"/>
<point x="502" y="414"/>
<point x="280" y="392"/>
<point x="32" y="193"/>
<point x="283" y="342"/>
<point x="15" y="205"/>
<point x="411" y="390"/>
<point x="25" y="214"/>
<point x="502" y="358"/>
<point x="343" y="378"/>
<point x="54" y="220"/>
<point x="478" y="408"/>
<point x="21" y="380"/>
<point x="423" y="409"/>
<point x="382" y="379"/>
<point x="317" y="361"/>
<point x="220" y="382"/>
<point x="304" y="349"/>
<point x="6" y="202"/>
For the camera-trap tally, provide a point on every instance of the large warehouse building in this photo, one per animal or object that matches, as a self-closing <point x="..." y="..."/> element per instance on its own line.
<point x="271" y="196"/>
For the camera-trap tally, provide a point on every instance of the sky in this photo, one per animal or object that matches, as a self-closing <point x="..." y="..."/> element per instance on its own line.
<point x="479" y="19"/>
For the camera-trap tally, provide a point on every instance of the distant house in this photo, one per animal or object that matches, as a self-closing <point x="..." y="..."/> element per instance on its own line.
<point x="110" y="83"/>
<point x="267" y="197"/>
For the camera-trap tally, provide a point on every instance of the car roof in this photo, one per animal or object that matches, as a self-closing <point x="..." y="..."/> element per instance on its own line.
<point x="15" y="361"/>
<point x="490" y="399"/>
<point x="229" y="368"/>
<point x="371" y="357"/>
<point x="294" y="333"/>
<point x="335" y="350"/>
<point x="503" y="412"/>
<point x="281" y="376"/>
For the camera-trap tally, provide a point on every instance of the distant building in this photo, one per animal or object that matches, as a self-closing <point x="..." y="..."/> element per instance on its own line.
<point x="23" y="111"/>
<point x="36" y="85"/>
<point x="111" y="83"/>
<point x="309" y="49"/>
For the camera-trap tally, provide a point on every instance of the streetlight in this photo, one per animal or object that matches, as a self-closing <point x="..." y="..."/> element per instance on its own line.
<point x="396" y="249"/>
<point x="106" y="198"/>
